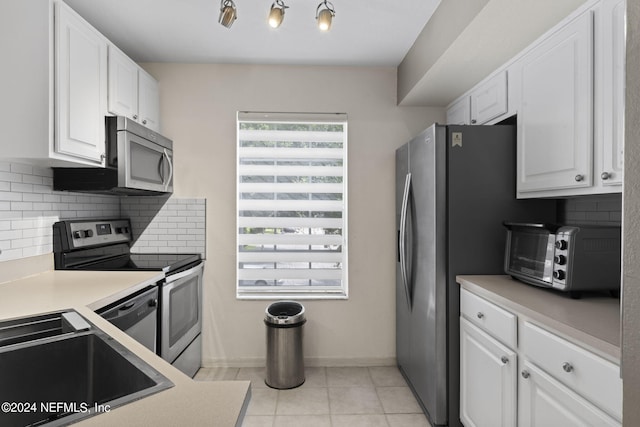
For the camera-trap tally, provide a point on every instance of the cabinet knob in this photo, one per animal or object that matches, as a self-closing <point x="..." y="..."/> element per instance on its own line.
<point x="579" y="177"/>
<point x="567" y="367"/>
<point x="144" y="122"/>
<point x="525" y="374"/>
<point x="480" y="315"/>
<point x="135" y="117"/>
<point x="605" y="175"/>
<point x="504" y="359"/>
<point x="474" y="121"/>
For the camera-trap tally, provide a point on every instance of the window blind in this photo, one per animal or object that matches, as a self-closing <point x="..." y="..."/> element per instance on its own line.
<point x="291" y="206"/>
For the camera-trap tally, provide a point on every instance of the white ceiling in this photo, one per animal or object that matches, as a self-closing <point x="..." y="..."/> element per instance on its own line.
<point x="371" y="32"/>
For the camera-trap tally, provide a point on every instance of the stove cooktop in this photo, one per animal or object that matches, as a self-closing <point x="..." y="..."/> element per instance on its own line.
<point x="168" y="263"/>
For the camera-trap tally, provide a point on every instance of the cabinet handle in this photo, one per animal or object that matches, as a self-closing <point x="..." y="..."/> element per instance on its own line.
<point x="135" y="117"/>
<point x="480" y="315"/>
<point x="568" y="367"/>
<point x="579" y="177"/>
<point x="605" y="175"/>
<point x="525" y="374"/>
<point x="504" y="359"/>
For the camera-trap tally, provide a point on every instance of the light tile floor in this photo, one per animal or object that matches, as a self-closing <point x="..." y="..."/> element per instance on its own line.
<point x="330" y="397"/>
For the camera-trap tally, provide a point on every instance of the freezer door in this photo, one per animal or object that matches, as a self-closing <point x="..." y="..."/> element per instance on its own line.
<point x="402" y="308"/>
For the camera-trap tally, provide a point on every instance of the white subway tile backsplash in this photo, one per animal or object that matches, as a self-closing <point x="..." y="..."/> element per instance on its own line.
<point x="167" y="225"/>
<point x="29" y="207"/>
<point x="599" y="209"/>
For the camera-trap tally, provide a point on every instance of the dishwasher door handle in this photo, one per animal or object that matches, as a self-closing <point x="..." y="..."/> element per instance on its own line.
<point x="127" y="306"/>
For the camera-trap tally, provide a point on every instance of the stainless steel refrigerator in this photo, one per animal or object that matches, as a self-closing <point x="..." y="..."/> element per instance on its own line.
<point x="455" y="185"/>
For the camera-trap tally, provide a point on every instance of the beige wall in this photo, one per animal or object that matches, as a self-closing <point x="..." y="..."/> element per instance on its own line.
<point x="198" y="107"/>
<point x="631" y="224"/>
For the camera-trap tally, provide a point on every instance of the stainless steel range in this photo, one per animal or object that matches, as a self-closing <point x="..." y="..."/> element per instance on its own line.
<point x="105" y="245"/>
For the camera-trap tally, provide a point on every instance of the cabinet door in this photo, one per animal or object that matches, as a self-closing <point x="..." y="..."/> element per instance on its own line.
<point x="613" y="88"/>
<point x="459" y="113"/>
<point x="81" y="86"/>
<point x="487" y="379"/>
<point x="544" y="402"/>
<point x="555" y="120"/>
<point x="123" y="84"/>
<point x="149" y="99"/>
<point x="489" y="99"/>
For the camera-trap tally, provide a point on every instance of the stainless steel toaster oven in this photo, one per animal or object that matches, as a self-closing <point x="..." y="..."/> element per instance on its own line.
<point x="565" y="257"/>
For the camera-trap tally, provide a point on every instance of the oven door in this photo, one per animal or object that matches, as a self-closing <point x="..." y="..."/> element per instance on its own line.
<point x="143" y="164"/>
<point x="181" y="311"/>
<point x="529" y="252"/>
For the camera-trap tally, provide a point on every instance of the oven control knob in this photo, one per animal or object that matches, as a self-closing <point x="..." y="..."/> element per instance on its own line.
<point x="560" y="259"/>
<point x="81" y="234"/>
<point x="561" y="244"/>
<point x="559" y="274"/>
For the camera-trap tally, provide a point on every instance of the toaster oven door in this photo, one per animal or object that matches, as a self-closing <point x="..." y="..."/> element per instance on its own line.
<point x="529" y="253"/>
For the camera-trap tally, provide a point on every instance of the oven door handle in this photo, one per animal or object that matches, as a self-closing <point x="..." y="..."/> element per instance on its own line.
<point x="193" y="270"/>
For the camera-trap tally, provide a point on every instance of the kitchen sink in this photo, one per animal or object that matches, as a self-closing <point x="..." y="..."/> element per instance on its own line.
<point x="58" y="368"/>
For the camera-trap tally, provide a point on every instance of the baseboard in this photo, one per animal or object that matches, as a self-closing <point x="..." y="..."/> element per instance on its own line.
<point x="308" y="361"/>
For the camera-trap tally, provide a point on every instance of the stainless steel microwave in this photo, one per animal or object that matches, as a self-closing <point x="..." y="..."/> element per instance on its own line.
<point x="569" y="258"/>
<point x="138" y="161"/>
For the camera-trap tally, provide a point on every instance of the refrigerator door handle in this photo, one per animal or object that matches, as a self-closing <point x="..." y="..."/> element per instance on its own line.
<point x="402" y="240"/>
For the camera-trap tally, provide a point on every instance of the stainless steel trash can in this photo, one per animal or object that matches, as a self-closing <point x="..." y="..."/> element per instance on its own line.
<point x="285" y="362"/>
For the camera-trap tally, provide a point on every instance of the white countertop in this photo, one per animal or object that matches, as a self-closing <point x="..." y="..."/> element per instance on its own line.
<point x="593" y="320"/>
<point x="188" y="402"/>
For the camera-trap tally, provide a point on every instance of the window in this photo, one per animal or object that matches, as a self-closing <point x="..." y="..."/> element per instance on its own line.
<point x="292" y="206"/>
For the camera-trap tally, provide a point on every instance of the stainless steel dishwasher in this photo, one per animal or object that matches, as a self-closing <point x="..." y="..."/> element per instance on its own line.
<point x="137" y="316"/>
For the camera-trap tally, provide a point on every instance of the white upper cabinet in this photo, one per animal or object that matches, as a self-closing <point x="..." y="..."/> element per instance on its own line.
<point x="610" y="110"/>
<point x="56" y="79"/>
<point x="123" y="84"/>
<point x="459" y="113"/>
<point x="149" y="100"/>
<point x="555" y="136"/>
<point x="489" y="99"/>
<point x="56" y="86"/>
<point x="486" y="102"/>
<point x="571" y="90"/>
<point x="133" y="92"/>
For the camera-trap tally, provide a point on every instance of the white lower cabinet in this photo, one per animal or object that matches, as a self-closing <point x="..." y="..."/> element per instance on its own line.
<point x="534" y="377"/>
<point x="545" y="402"/>
<point x="487" y="379"/>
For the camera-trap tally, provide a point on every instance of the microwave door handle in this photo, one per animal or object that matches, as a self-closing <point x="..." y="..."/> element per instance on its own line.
<point x="166" y="154"/>
<point x="161" y="168"/>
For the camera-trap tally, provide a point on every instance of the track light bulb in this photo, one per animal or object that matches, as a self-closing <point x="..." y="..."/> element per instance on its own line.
<point x="227" y="13"/>
<point x="325" y="15"/>
<point x="276" y="14"/>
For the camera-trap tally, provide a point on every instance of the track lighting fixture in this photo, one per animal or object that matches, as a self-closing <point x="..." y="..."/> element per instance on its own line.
<point x="276" y="14"/>
<point x="325" y="15"/>
<point x="227" y="13"/>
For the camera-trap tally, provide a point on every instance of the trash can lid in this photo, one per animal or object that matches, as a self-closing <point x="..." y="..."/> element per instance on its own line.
<point x="284" y="313"/>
